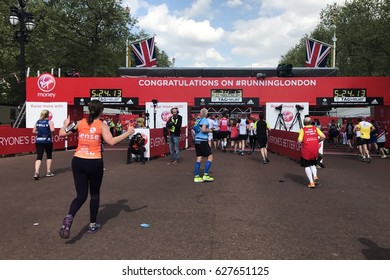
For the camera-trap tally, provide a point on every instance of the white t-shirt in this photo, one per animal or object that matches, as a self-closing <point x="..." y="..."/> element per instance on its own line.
<point x="211" y="126"/>
<point x="242" y="127"/>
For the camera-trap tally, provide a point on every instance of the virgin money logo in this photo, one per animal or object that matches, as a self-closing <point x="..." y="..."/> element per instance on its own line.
<point x="46" y="82"/>
<point x="145" y="137"/>
<point x="165" y="116"/>
<point x="288" y="116"/>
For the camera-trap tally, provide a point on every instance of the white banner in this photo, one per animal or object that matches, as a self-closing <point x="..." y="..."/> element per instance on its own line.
<point x="58" y="112"/>
<point x="286" y="116"/>
<point x="163" y="112"/>
<point x="195" y="269"/>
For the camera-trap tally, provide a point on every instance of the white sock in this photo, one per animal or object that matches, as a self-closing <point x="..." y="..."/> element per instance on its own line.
<point x="309" y="174"/>
<point x="313" y="170"/>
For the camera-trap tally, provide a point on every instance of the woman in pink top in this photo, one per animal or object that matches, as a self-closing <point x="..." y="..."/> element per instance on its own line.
<point x="234" y="136"/>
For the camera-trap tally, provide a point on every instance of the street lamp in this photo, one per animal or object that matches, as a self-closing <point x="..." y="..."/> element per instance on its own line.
<point x="154" y="101"/>
<point x="334" y="39"/>
<point x="22" y="36"/>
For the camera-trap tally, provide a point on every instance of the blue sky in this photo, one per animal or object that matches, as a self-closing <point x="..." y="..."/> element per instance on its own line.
<point x="233" y="33"/>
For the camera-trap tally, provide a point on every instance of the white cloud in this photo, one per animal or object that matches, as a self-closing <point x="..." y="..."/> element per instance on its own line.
<point x="182" y="33"/>
<point x="224" y="37"/>
<point x="199" y="7"/>
<point x="234" y="3"/>
<point x="135" y="5"/>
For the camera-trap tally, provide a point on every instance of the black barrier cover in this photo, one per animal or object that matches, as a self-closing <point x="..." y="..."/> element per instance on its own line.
<point x="251" y="102"/>
<point x="350" y="102"/>
<point x="120" y="101"/>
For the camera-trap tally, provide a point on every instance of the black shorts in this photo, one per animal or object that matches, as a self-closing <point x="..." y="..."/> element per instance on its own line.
<point x="243" y="137"/>
<point x="224" y="134"/>
<point x="365" y="141"/>
<point x="308" y="162"/>
<point x="358" y="141"/>
<point x="349" y="136"/>
<point x="262" y="141"/>
<point x="216" y="135"/>
<point x="381" y="144"/>
<point x="202" y="148"/>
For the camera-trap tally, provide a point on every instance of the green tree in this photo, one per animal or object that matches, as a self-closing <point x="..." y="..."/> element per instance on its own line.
<point x="86" y="35"/>
<point x="362" y="29"/>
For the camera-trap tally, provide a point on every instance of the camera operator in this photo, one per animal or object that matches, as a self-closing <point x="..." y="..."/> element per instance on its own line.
<point x="174" y="126"/>
<point x="136" y="147"/>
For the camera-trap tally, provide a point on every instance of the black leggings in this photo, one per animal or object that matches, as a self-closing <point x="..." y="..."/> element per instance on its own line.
<point x="87" y="174"/>
<point x="41" y="147"/>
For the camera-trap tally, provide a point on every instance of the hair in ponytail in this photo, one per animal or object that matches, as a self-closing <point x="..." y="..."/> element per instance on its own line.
<point x="44" y="114"/>
<point x="95" y="108"/>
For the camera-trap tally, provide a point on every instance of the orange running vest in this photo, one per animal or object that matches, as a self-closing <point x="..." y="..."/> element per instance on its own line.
<point x="90" y="140"/>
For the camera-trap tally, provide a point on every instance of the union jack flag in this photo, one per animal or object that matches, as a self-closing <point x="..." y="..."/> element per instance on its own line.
<point x="144" y="54"/>
<point x="316" y="53"/>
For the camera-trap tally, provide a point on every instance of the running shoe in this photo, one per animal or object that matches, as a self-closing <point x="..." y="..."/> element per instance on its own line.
<point x="36" y="177"/>
<point x="267" y="159"/>
<point x="66" y="225"/>
<point x="50" y="174"/>
<point x="94" y="227"/>
<point x="316" y="180"/>
<point x="264" y="162"/>
<point x="198" y="179"/>
<point x="368" y="159"/>
<point x="311" y="185"/>
<point x="384" y="156"/>
<point x="207" y="178"/>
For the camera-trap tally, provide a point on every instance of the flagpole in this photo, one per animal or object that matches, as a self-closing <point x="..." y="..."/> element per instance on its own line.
<point x="334" y="39"/>
<point x="127" y="52"/>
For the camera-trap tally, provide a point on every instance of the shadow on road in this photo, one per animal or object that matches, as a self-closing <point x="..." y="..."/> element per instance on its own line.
<point x="374" y="252"/>
<point x="109" y="211"/>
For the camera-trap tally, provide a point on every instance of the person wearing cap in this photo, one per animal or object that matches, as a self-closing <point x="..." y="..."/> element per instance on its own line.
<point x="174" y="126"/>
<point x="310" y="136"/>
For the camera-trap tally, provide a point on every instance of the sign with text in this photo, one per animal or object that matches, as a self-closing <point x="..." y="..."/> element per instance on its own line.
<point x="58" y="112"/>
<point x="231" y="101"/>
<point x="286" y="116"/>
<point x="114" y="101"/>
<point x="349" y="101"/>
<point x="284" y="143"/>
<point x="47" y="88"/>
<point x="162" y="112"/>
<point x="22" y="140"/>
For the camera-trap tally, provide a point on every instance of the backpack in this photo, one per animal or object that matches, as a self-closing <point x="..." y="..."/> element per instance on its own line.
<point x="197" y="126"/>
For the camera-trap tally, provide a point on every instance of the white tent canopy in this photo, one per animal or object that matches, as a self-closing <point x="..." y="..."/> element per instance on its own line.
<point x="350" y="112"/>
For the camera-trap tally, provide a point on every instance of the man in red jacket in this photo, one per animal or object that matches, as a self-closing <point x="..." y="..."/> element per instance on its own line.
<point x="310" y="136"/>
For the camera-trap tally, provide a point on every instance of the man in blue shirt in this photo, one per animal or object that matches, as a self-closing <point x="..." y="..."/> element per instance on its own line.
<point x="203" y="149"/>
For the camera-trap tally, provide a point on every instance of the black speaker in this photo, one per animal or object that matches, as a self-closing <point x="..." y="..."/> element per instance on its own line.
<point x="284" y="70"/>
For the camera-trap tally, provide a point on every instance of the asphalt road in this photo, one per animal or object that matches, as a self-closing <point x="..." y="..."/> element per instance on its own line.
<point x="250" y="211"/>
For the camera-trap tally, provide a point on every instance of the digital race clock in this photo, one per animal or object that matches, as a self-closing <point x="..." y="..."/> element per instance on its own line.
<point x="349" y="92"/>
<point x="105" y="93"/>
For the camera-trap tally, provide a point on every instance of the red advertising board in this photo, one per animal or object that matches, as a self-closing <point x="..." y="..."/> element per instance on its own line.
<point x="22" y="140"/>
<point x="159" y="146"/>
<point x="284" y="143"/>
<point x="296" y="89"/>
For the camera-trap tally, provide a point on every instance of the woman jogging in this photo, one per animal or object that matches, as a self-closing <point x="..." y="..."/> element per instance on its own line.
<point x="44" y="128"/>
<point x="87" y="163"/>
